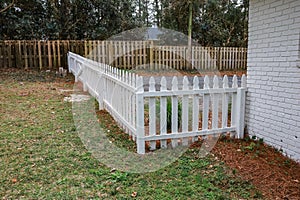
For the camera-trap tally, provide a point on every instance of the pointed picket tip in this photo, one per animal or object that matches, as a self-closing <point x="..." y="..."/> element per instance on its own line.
<point x="140" y="84"/>
<point x="225" y="82"/>
<point x="244" y="81"/>
<point x="122" y="75"/>
<point x="163" y="83"/>
<point x="114" y="72"/>
<point x="206" y="82"/>
<point x="129" y="78"/>
<point x="125" y="76"/>
<point x="174" y="83"/>
<point x="196" y="83"/>
<point x="185" y="83"/>
<point x="133" y="79"/>
<point x="216" y="82"/>
<point x="152" y="84"/>
<point x="234" y="82"/>
<point x="119" y="73"/>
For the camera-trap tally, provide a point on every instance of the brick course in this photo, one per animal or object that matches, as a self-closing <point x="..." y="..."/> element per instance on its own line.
<point x="273" y="100"/>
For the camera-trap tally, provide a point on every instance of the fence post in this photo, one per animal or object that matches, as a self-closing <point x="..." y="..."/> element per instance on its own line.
<point x="18" y="55"/>
<point x="240" y="109"/>
<point x="49" y="56"/>
<point x="40" y="55"/>
<point x="9" y="54"/>
<point x="218" y="62"/>
<point x="109" y="52"/>
<point x="140" y="129"/>
<point x="151" y="59"/>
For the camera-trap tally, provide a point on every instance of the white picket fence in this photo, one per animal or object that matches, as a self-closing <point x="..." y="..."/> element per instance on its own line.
<point x="173" y="114"/>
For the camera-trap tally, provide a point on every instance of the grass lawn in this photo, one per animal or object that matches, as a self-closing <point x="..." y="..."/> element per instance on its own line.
<point x="42" y="157"/>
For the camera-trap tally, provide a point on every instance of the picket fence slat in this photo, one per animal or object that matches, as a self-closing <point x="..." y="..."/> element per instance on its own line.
<point x="225" y="103"/>
<point x="195" y="107"/>
<point x="152" y="113"/>
<point x="163" y="112"/>
<point x="174" y="103"/>
<point x="186" y="111"/>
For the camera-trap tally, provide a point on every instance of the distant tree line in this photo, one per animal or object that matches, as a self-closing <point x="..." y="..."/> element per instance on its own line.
<point x="214" y="22"/>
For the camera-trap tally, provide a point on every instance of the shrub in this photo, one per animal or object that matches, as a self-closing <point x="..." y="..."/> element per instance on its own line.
<point x="169" y="113"/>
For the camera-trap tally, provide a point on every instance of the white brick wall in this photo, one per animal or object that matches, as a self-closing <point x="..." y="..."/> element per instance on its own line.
<point x="273" y="100"/>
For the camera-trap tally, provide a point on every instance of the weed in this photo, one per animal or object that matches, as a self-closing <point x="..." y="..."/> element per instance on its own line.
<point x="251" y="146"/>
<point x="287" y="163"/>
<point x="247" y="138"/>
<point x="169" y="113"/>
<point x="118" y="176"/>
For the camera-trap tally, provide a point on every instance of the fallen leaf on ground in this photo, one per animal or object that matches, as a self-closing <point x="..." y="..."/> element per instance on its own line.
<point x="134" y="194"/>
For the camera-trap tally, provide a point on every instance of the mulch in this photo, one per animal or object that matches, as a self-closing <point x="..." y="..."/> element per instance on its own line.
<point x="275" y="175"/>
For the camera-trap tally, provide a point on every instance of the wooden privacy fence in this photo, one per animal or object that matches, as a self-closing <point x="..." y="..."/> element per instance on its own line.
<point x="33" y="54"/>
<point x="121" y="54"/>
<point x="141" y="109"/>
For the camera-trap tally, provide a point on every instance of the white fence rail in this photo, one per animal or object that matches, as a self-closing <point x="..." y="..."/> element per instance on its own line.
<point x="173" y="114"/>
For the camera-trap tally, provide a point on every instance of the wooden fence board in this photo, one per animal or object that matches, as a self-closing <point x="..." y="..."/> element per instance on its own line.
<point x="122" y="54"/>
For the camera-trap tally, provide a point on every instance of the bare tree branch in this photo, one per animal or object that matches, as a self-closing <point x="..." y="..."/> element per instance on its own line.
<point x="7" y="7"/>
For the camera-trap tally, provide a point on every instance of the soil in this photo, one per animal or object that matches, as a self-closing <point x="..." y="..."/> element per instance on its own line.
<point x="275" y="175"/>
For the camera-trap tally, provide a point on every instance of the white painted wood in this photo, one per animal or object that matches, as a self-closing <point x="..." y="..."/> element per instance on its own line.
<point x="205" y="109"/>
<point x="215" y="104"/>
<point x="195" y="125"/>
<point x="152" y="113"/>
<point x="240" y="110"/>
<point x="140" y="128"/>
<point x="225" y="103"/>
<point x="243" y="81"/>
<point x="174" y="111"/>
<point x="185" y="110"/>
<point x="234" y="82"/>
<point x="234" y="103"/>
<point x="163" y="112"/>
<point x="122" y="95"/>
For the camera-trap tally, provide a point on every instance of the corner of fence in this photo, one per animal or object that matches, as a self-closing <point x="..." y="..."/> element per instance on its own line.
<point x="240" y="108"/>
